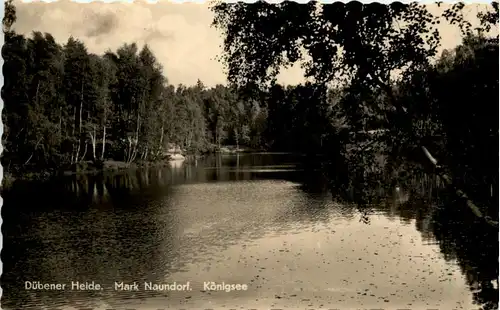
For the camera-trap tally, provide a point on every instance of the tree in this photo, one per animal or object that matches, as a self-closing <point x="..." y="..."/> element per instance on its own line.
<point x="488" y="19"/>
<point x="361" y="47"/>
<point x="14" y="91"/>
<point x="77" y="80"/>
<point x="100" y="110"/>
<point x="467" y="115"/>
<point x="62" y="103"/>
<point x="10" y="16"/>
<point x="353" y="41"/>
<point x="371" y="52"/>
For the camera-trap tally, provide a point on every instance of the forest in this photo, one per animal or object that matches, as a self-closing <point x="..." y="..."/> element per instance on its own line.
<point x="375" y="66"/>
<point x="64" y="106"/>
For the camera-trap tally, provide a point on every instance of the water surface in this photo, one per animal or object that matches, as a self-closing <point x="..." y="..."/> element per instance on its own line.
<point x="255" y="219"/>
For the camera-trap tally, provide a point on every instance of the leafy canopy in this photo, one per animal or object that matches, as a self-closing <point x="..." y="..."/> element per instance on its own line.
<point x="336" y="41"/>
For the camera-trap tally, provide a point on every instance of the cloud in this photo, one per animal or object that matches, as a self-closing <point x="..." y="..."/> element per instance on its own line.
<point x="103" y="24"/>
<point x="179" y="34"/>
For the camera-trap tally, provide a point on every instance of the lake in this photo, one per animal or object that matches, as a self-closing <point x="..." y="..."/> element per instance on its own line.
<point x="263" y="221"/>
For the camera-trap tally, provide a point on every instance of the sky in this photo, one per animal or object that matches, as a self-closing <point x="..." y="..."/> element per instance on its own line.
<point x="179" y="34"/>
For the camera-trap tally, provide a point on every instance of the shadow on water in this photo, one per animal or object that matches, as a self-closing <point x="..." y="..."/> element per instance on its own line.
<point x="126" y="226"/>
<point x="475" y="247"/>
<point x="461" y="239"/>
<point x="440" y="218"/>
<point x="83" y="229"/>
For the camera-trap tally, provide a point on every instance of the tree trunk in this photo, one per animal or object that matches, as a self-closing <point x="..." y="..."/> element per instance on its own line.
<point x="236" y="136"/>
<point x="160" y="146"/>
<point x="137" y="129"/>
<point x="93" y="139"/>
<point x="36" y="94"/>
<point x="103" y="141"/>
<point x="135" y="149"/>
<point x="145" y="154"/>
<point x="189" y="138"/>
<point x="449" y="182"/>
<point x="104" y="135"/>
<point x="129" y="150"/>
<point x="84" y="151"/>
<point x="60" y="125"/>
<point x="73" y="135"/>
<point x="79" y="125"/>
<point x="36" y="146"/>
<point x="136" y="142"/>
<point x="218" y="137"/>
<point x="74" y="123"/>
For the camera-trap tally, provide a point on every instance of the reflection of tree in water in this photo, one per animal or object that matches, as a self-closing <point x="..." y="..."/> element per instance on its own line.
<point x="475" y="247"/>
<point x="461" y="236"/>
<point x="439" y="218"/>
<point x="85" y="228"/>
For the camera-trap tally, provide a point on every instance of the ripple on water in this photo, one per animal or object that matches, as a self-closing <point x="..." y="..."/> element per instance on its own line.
<point x="292" y="248"/>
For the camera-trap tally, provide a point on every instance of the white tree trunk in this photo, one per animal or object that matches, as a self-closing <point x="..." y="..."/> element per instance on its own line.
<point x="85" y="151"/>
<point x="136" y="140"/>
<point x="135" y="149"/>
<point x="103" y="142"/>
<point x="93" y="140"/>
<point x="160" y="146"/>
<point x="79" y="125"/>
<point x="128" y="152"/>
<point x="236" y="135"/>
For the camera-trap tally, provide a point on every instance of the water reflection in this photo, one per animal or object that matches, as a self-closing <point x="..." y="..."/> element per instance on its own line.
<point x="441" y="219"/>
<point x="229" y="213"/>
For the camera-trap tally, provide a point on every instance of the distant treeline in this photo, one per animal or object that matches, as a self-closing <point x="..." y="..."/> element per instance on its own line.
<point x="64" y="105"/>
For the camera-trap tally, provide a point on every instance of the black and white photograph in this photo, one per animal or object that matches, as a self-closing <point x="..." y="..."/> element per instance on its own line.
<point x="250" y="155"/>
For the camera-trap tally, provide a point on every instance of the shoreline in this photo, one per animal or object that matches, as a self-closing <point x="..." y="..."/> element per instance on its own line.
<point x="85" y="168"/>
<point x="90" y="167"/>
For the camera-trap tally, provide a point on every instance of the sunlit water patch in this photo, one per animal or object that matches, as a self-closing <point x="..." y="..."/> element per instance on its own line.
<point x="292" y="246"/>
